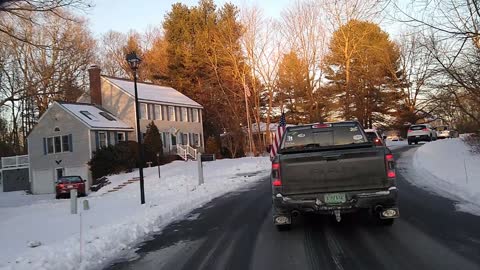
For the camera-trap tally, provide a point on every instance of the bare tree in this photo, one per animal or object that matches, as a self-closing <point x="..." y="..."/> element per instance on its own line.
<point x="33" y="76"/>
<point x="418" y="69"/>
<point x="25" y="11"/>
<point x="303" y="27"/>
<point x="262" y="45"/>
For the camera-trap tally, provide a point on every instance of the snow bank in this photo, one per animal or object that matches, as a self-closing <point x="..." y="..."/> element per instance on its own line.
<point x="116" y="221"/>
<point x="447" y="168"/>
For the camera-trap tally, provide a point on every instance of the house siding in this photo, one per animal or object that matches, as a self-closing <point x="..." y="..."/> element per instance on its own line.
<point x="122" y="105"/>
<point x="42" y="166"/>
<point x="118" y="103"/>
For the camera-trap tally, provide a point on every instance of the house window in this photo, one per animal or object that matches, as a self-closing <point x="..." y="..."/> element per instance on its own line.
<point x="120" y="136"/>
<point x="102" y="139"/>
<point x="151" y="113"/>
<point x="65" y="143"/>
<point x="158" y="112"/>
<point x="143" y="111"/>
<point x="196" y="140"/>
<point x="184" y="138"/>
<point x="107" y="116"/>
<point x="184" y="114"/>
<point x="195" y="115"/>
<point x="50" y="145"/>
<point x="171" y="113"/>
<point x="58" y="144"/>
<point x="88" y="115"/>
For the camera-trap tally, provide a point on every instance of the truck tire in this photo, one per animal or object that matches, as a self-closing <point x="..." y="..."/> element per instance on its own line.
<point x="283" y="227"/>
<point x="409" y="142"/>
<point x="385" y="222"/>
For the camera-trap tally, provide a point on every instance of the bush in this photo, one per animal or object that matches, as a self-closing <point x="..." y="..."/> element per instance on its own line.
<point x="473" y="141"/>
<point x="114" y="159"/>
<point x="211" y="147"/>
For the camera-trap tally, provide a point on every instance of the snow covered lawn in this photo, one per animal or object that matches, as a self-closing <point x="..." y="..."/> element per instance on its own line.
<point x="116" y="221"/>
<point x="447" y="168"/>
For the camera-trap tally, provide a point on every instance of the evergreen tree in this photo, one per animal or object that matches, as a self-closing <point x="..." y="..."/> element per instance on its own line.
<point x="153" y="143"/>
<point x="363" y="65"/>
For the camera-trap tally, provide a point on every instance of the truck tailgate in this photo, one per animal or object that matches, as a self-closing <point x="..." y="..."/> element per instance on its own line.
<point x="327" y="171"/>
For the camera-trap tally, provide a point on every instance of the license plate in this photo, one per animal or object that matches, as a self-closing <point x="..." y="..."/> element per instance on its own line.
<point x="335" y="198"/>
<point x="70" y="186"/>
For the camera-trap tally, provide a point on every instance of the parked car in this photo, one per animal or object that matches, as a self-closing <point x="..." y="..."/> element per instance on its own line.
<point x="374" y="136"/>
<point x="332" y="168"/>
<point x="444" y="132"/>
<point x="419" y="133"/>
<point x="66" y="183"/>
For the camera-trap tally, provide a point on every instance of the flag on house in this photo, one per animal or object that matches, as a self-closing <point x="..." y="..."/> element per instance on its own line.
<point x="277" y="137"/>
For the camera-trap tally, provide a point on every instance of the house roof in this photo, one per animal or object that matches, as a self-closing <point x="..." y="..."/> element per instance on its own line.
<point x="153" y="92"/>
<point x="93" y="116"/>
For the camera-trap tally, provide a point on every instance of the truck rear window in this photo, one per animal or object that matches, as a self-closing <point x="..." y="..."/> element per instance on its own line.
<point x="417" y="127"/>
<point x="325" y="136"/>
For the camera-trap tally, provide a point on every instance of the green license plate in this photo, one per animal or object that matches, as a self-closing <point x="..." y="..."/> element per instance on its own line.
<point x="335" y="198"/>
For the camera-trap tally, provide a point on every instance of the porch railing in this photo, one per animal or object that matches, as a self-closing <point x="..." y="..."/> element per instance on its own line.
<point x="15" y="162"/>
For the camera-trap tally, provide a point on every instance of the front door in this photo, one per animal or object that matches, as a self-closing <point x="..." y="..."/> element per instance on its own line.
<point x="59" y="173"/>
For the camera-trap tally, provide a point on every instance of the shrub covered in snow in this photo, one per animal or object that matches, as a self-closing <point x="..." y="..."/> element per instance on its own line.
<point x="473" y="141"/>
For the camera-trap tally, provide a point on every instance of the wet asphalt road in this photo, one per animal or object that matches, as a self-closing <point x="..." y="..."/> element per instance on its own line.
<point x="236" y="232"/>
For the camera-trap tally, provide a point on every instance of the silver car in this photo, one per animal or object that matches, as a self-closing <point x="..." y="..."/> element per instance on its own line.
<point x="422" y="132"/>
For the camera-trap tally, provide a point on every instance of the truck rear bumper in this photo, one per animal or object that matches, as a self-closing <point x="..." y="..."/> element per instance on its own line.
<point x="355" y="200"/>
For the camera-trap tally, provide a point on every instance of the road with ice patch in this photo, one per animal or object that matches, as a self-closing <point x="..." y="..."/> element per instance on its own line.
<point x="236" y="232"/>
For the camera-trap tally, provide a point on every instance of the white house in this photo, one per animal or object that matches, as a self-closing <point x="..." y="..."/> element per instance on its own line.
<point x="67" y="134"/>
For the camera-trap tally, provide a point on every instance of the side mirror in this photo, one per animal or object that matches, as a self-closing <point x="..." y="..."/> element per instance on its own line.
<point x="84" y="181"/>
<point x="384" y="137"/>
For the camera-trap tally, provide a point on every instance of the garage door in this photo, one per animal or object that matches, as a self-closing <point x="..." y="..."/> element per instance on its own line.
<point x="43" y="182"/>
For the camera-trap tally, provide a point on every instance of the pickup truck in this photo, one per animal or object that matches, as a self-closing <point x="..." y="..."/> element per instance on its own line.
<point x="332" y="168"/>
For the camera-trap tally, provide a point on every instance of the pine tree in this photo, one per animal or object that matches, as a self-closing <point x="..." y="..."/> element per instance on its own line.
<point x="362" y="65"/>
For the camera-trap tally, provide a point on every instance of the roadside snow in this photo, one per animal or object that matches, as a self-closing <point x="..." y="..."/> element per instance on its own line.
<point x="116" y="221"/>
<point x="447" y="168"/>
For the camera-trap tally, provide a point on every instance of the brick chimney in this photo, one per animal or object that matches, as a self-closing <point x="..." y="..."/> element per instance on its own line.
<point x="95" y="85"/>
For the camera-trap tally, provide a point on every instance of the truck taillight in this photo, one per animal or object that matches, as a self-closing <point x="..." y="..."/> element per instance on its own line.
<point x="390" y="166"/>
<point x="410" y="130"/>
<point x="276" y="180"/>
<point x="425" y="129"/>
<point x="378" y="142"/>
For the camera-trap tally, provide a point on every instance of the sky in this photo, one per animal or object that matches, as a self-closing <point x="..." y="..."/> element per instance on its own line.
<point x="124" y="15"/>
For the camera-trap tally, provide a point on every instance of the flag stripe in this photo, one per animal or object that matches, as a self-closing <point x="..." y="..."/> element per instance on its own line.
<point x="276" y="139"/>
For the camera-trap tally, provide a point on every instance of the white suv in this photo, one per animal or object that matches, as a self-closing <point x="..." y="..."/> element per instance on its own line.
<point x="423" y="132"/>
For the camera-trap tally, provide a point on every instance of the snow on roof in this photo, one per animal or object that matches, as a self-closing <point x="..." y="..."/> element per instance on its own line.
<point x="152" y="92"/>
<point x="94" y="116"/>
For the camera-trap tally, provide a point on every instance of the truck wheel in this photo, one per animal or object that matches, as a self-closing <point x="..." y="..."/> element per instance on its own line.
<point x="409" y="142"/>
<point x="283" y="227"/>
<point x="385" y="222"/>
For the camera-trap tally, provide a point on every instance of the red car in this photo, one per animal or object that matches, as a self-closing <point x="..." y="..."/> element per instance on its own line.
<point x="66" y="183"/>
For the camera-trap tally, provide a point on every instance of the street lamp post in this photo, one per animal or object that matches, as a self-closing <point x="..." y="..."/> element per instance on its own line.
<point x="134" y="61"/>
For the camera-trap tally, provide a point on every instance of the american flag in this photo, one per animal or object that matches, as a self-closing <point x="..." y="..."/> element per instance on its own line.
<point x="276" y="139"/>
